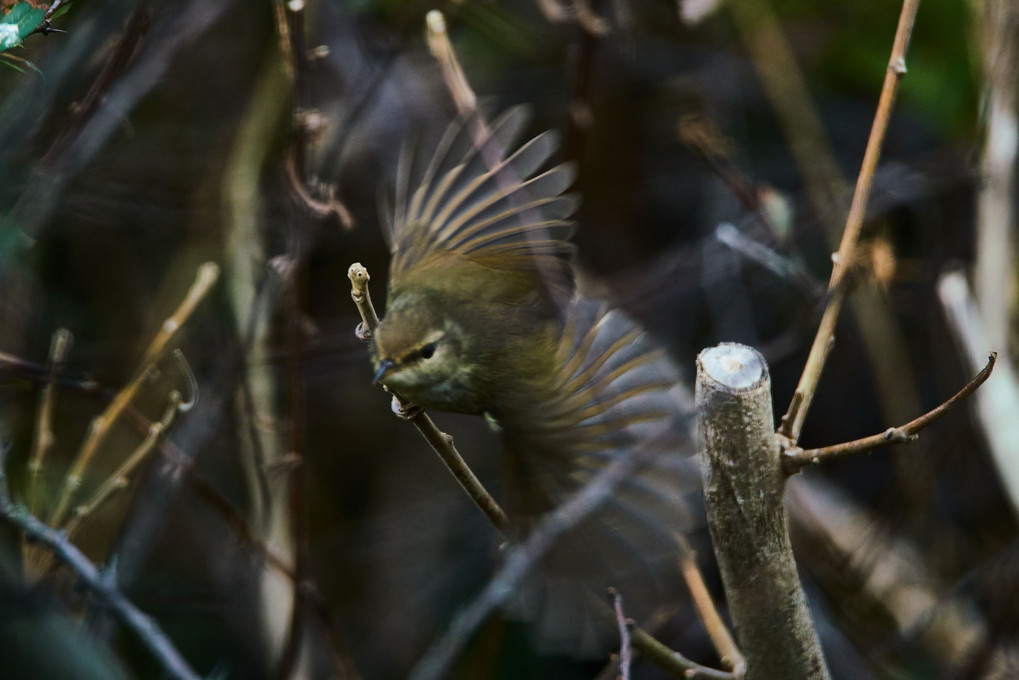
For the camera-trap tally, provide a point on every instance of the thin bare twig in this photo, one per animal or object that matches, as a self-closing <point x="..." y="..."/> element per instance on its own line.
<point x="308" y="122"/>
<point x="625" y="651"/>
<point x="119" y="479"/>
<point x="121" y="58"/>
<point x="793" y="460"/>
<point x="102" y="424"/>
<point x="38" y="564"/>
<point x="44" y="26"/>
<point x="441" y="442"/>
<point x="673" y="663"/>
<point x="320" y="207"/>
<point x="147" y="630"/>
<point x="60" y="345"/>
<point x="720" y="636"/>
<point x="792" y="421"/>
<point x="294" y="297"/>
<point x="998" y="401"/>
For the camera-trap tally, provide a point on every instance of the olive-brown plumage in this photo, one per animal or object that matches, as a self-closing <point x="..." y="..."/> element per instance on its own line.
<point x="482" y="317"/>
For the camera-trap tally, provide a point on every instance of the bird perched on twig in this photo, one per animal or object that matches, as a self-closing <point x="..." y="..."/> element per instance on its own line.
<point x="482" y="317"/>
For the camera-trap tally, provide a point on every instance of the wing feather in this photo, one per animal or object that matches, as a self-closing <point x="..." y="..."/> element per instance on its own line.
<point x="613" y="392"/>
<point x="482" y="198"/>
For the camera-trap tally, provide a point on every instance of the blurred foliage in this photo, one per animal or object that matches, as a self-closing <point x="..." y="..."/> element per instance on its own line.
<point x="18" y="23"/>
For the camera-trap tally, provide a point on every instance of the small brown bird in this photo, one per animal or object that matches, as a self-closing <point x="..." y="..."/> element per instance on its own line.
<point x="482" y="317"/>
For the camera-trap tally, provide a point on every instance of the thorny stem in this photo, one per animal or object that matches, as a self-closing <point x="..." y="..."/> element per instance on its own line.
<point x="441" y="442"/>
<point x="795" y="459"/>
<point x="792" y="421"/>
<point x="102" y="424"/>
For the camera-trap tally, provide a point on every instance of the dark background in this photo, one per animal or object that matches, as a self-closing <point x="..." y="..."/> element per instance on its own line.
<point x="107" y="212"/>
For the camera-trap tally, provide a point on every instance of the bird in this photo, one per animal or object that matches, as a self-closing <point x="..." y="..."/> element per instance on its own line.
<point x="483" y="316"/>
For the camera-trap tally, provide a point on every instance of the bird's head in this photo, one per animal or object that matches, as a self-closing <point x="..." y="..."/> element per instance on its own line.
<point x="418" y="352"/>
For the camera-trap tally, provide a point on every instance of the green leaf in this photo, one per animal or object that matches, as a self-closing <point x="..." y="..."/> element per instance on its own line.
<point x="18" y="23"/>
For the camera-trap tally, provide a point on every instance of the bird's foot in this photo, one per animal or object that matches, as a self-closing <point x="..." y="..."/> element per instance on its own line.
<point x="405" y="409"/>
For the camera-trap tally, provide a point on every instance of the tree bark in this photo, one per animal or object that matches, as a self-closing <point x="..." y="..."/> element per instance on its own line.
<point x="743" y="484"/>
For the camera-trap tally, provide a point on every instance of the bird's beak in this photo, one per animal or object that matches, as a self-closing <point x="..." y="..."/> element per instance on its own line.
<point x="385" y="366"/>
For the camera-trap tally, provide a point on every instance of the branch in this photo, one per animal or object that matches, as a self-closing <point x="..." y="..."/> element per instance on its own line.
<point x="998" y="401"/>
<point x="436" y="662"/>
<point x="625" y="653"/>
<point x="792" y="421"/>
<point x="308" y="123"/>
<point x="102" y="424"/>
<point x="147" y="630"/>
<point x="44" y="26"/>
<point x="441" y="442"/>
<point x="674" y="663"/>
<point x="795" y="459"/>
<point x="720" y="636"/>
<point x="60" y="345"/>
<point x="743" y="484"/>
<point x="38" y="564"/>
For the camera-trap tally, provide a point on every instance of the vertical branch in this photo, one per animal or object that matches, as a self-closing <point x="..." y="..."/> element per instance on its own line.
<point x="787" y="92"/>
<point x="792" y="421"/>
<point x="995" y="267"/>
<point x="42" y="441"/>
<point x="998" y="401"/>
<point x="743" y="484"/>
<point x="294" y="300"/>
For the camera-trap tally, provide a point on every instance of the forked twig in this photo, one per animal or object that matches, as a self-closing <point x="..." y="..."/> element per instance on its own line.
<point x="673" y="663"/>
<point x="441" y="442"/>
<point x="792" y="421"/>
<point x="103" y="423"/>
<point x="793" y="460"/>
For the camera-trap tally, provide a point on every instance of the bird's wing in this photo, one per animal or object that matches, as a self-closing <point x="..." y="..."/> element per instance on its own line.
<point x="613" y="394"/>
<point x="481" y="197"/>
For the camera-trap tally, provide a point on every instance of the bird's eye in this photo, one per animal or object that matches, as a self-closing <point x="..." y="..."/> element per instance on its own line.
<point x="428" y="350"/>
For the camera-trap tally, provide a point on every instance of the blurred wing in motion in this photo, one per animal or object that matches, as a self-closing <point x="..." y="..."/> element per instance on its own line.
<point x="476" y="200"/>
<point x="614" y="392"/>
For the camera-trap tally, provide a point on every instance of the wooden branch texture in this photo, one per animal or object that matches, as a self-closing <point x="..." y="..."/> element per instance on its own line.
<point x="743" y="483"/>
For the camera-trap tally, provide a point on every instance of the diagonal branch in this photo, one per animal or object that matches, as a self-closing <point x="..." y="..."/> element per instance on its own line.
<point x="102" y="424"/>
<point x="672" y="662"/>
<point x="792" y="421"/>
<point x="795" y="459"/>
<point x="441" y="442"/>
<point x="147" y="630"/>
